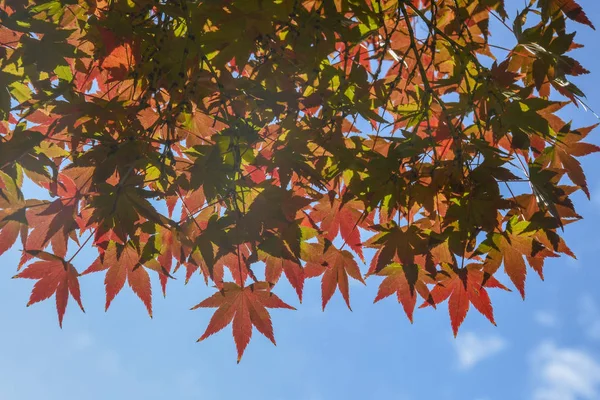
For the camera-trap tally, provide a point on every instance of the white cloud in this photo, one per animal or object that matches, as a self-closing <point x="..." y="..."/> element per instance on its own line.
<point x="564" y="374"/>
<point x="546" y="318"/>
<point x="589" y="317"/>
<point x="471" y="348"/>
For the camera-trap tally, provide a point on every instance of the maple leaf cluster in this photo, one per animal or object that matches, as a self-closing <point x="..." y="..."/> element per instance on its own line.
<point x="246" y="141"/>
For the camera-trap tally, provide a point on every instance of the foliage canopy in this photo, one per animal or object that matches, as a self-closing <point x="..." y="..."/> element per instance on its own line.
<point x="246" y="141"/>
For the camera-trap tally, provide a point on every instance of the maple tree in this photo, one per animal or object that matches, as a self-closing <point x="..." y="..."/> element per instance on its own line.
<point x="246" y="141"/>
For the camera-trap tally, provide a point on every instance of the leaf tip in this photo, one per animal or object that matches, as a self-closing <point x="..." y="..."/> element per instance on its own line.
<point x="522" y="292"/>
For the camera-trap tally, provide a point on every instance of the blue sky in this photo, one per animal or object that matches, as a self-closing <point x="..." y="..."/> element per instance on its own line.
<point x="544" y="348"/>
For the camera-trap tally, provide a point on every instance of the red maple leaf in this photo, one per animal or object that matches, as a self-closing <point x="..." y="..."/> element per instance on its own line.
<point x="571" y="9"/>
<point x="293" y="272"/>
<point x="511" y="246"/>
<point x="55" y="276"/>
<point x="121" y="55"/>
<point x="163" y="263"/>
<point x="343" y="218"/>
<point x="405" y="282"/>
<point x="567" y="148"/>
<point x="395" y="244"/>
<point x="235" y="262"/>
<point x="120" y="267"/>
<point x="9" y="232"/>
<point x="463" y="287"/>
<point x="335" y="266"/>
<point x="12" y="215"/>
<point x="246" y="307"/>
<point x="52" y="222"/>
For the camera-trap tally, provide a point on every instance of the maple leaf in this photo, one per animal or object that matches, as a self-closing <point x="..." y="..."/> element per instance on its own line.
<point x="246" y="307"/>
<point x="120" y="57"/>
<point x="12" y="214"/>
<point x="335" y="266"/>
<point x="164" y="243"/>
<point x="509" y="248"/>
<point x="570" y="7"/>
<point x="406" y="282"/>
<point x="121" y="266"/>
<point x="53" y="222"/>
<point x="293" y="271"/>
<point x="9" y="232"/>
<point x="395" y="243"/>
<point x="121" y="208"/>
<point x="55" y="277"/>
<point x="165" y="259"/>
<point x="15" y="218"/>
<point x="235" y="262"/>
<point x="343" y="218"/>
<point x="463" y="287"/>
<point x="569" y="146"/>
